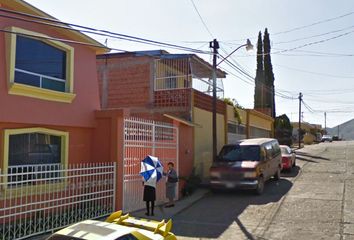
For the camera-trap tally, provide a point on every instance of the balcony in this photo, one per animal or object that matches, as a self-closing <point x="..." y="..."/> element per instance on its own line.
<point x="176" y="75"/>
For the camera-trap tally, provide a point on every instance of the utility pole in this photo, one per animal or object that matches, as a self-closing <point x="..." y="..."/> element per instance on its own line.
<point x="299" y="133"/>
<point x="215" y="46"/>
<point x="338" y="131"/>
<point x="325" y="116"/>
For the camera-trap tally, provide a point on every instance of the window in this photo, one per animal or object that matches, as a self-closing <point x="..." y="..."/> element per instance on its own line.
<point x="40" y="64"/>
<point x="34" y="150"/>
<point x="236" y="128"/>
<point x="259" y="133"/>
<point x="276" y="148"/>
<point x="269" y="150"/>
<point x="239" y="153"/>
<point x="38" y="67"/>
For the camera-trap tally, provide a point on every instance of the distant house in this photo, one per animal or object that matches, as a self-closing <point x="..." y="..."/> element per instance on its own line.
<point x="315" y="130"/>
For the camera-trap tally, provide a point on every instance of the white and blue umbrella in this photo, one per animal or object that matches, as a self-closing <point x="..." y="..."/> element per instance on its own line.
<point x="151" y="169"/>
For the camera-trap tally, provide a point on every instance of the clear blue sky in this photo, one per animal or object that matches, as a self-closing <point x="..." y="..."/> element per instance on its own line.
<point x="323" y="72"/>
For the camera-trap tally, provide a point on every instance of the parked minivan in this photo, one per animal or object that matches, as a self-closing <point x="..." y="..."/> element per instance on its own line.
<point x="247" y="164"/>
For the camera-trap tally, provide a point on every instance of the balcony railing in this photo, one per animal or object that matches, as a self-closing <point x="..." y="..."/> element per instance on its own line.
<point x="175" y="76"/>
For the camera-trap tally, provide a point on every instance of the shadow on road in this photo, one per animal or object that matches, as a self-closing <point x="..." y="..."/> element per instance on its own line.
<point x="306" y="159"/>
<point x="301" y="155"/>
<point x="218" y="211"/>
<point x="291" y="173"/>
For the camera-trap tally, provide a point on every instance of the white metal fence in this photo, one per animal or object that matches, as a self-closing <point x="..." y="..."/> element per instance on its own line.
<point x="35" y="199"/>
<point x="142" y="138"/>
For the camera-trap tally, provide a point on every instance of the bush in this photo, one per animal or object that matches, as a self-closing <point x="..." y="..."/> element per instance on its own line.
<point x="191" y="183"/>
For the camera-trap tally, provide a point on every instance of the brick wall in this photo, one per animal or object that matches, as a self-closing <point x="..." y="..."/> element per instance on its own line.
<point x="205" y="102"/>
<point x="124" y="81"/>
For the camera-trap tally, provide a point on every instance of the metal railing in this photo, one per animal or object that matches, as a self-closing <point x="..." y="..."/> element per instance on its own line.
<point x="176" y="74"/>
<point x="35" y="199"/>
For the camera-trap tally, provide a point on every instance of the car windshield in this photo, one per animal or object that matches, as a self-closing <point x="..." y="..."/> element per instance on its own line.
<point x="284" y="150"/>
<point x="239" y="153"/>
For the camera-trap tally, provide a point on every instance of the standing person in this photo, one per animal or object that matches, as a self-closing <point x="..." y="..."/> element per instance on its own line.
<point x="149" y="197"/>
<point x="171" y="184"/>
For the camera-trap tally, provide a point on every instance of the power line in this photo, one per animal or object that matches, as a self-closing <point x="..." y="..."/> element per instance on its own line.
<point x="314" y="43"/>
<point x="250" y="80"/>
<point x="61" y="40"/>
<point x="314" y="24"/>
<point x="201" y="19"/>
<point x="314" y="73"/>
<point x="305" y="45"/>
<point x="313" y="36"/>
<point x="297" y="28"/>
<point x="96" y="31"/>
<point x="307" y="106"/>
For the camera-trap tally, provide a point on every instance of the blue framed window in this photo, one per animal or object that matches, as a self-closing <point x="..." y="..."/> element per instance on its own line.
<point x="39" y="64"/>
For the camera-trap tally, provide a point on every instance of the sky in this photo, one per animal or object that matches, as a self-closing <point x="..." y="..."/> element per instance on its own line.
<point x="312" y="43"/>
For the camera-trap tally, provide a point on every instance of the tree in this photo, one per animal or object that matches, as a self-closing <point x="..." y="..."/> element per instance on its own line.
<point x="283" y="130"/>
<point x="259" y="80"/>
<point x="268" y="74"/>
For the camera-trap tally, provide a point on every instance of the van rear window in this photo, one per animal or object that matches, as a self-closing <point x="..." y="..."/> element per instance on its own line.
<point x="239" y="153"/>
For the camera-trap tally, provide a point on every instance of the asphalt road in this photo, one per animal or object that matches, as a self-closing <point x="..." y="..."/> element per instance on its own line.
<point x="314" y="201"/>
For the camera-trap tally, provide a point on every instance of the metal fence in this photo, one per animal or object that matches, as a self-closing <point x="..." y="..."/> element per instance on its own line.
<point x="142" y="138"/>
<point x="35" y="199"/>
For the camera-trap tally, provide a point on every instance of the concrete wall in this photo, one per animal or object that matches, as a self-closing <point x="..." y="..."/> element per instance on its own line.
<point x="256" y="123"/>
<point x="258" y="120"/>
<point x="231" y="114"/>
<point x="203" y="139"/>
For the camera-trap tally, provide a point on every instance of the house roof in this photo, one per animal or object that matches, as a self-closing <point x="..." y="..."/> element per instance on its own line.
<point x="24" y="7"/>
<point x="182" y="120"/>
<point x="201" y="68"/>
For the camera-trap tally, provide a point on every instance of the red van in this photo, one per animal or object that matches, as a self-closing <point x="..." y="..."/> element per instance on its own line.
<point x="247" y="164"/>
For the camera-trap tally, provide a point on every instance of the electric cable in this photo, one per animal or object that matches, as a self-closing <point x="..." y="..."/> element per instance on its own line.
<point x="94" y="30"/>
<point x="201" y="19"/>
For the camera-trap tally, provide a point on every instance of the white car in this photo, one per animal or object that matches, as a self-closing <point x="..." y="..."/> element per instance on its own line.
<point x="326" y="138"/>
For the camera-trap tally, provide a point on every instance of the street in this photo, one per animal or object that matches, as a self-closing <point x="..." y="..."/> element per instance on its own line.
<point x="314" y="201"/>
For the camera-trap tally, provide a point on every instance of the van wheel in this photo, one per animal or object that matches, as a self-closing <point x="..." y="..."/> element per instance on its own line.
<point x="277" y="174"/>
<point x="260" y="186"/>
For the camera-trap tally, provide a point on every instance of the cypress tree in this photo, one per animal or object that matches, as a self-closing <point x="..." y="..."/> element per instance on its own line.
<point x="259" y="80"/>
<point x="268" y="74"/>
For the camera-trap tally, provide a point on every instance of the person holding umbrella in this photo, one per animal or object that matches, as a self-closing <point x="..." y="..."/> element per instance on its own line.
<point x="149" y="197"/>
<point x="151" y="170"/>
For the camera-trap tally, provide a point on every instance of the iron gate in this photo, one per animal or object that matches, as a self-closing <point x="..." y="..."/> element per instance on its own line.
<point x="142" y="138"/>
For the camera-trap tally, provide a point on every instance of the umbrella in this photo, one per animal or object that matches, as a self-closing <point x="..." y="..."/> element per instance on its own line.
<point x="151" y="169"/>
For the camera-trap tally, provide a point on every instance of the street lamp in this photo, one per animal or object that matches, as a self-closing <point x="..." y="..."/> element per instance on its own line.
<point x="248" y="46"/>
<point x="215" y="45"/>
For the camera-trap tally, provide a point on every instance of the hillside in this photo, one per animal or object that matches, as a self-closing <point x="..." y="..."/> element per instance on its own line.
<point x="346" y="130"/>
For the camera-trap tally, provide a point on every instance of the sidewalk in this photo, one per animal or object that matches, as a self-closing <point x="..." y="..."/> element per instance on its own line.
<point x="166" y="213"/>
